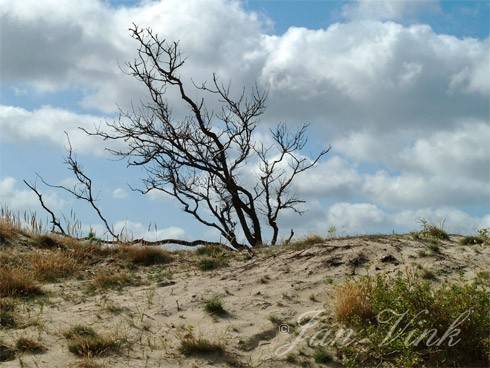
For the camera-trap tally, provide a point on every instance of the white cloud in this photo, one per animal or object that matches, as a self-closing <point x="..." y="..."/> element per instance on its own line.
<point x="386" y="9"/>
<point x="452" y="219"/>
<point x="356" y="217"/>
<point x="48" y="124"/>
<point x="18" y="199"/>
<point x="403" y="98"/>
<point x="333" y="177"/>
<point x="119" y="193"/>
<point x="135" y="230"/>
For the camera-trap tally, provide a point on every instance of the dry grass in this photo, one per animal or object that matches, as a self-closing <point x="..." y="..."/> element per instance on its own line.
<point x="85" y="342"/>
<point x="17" y="282"/>
<point x="53" y="265"/>
<point x="112" y="280"/>
<point x="191" y="345"/>
<point x="306" y="242"/>
<point x="26" y="345"/>
<point x="88" y="252"/>
<point x="8" y="317"/>
<point x="145" y="256"/>
<point x="7" y="353"/>
<point x="351" y="301"/>
<point x="85" y="363"/>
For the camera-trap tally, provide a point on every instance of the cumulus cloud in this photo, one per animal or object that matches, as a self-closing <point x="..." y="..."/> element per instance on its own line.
<point x="48" y="124"/>
<point x="17" y="199"/>
<point x="411" y="102"/>
<point x="135" y="230"/>
<point x="386" y="9"/>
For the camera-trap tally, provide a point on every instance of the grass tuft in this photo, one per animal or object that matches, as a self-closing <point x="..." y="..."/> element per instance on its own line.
<point x="18" y="282"/>
<point x="85" y="342"/>
<point x="191" y="345"/>
<point x="211" y="263"/>
<point x="52" y="266"/>
<point x="26" y="345"/>
<point x="214" y="307"/>
<point x="146" y="256"/>
<point x="7" y="353"/>
<point x="108" y="280"/>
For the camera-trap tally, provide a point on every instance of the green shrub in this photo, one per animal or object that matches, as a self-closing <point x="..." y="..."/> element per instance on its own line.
<point x="472" y="240"/>
<point x="424" y="311"/>
<point x="321" y="356"/>
<point x="211" y="263"/>
<point x="431" y="231"/>
<point x="214" y="306"/>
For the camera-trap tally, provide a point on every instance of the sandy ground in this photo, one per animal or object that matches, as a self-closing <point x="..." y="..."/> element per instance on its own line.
<point x="279" y="284"/>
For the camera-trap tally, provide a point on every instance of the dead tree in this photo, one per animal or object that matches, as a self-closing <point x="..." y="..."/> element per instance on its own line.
<point x="197" y="159"/>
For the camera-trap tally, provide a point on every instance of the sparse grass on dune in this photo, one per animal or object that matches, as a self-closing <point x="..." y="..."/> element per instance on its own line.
<point x="112" y="279"/>
<point x="306" y="242"/>
<point x="190" y="345"/>
<point x="83" y="341"/>
<point x="7" y="352"/>
<point x="214" y="306"/>
<point x="27" y="345"/>
<point x="17" y="282"/>
<point x="146" y="256"/>
<point x="53" y="265"/>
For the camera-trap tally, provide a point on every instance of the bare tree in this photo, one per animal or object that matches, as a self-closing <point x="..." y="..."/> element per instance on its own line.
<point x="197" y="159"/>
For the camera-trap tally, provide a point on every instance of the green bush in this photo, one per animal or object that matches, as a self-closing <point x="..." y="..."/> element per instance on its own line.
<point x="424" y="311"/>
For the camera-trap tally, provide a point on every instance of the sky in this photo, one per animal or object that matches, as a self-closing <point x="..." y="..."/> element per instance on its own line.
<point x="400" y="90"/>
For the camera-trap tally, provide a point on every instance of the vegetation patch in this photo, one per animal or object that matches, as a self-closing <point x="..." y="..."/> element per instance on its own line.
<point x="420" y="338"/>
<point x="52" y="266"/>
<point x="472" y="240"/>
<point x="146" y="256"/>
<point x="85" y="342"/>
<point x="211" y="263"/>
<point x="191" y="345"/>
<point x="214" y="307"/>
<point x="116" y="280"/>
<point x="7" y="353"/>
<point x="321" y="356"/>
<point x="18" y="282"/>
<point x="431" y="231"/>
<point x="26" y="345"/>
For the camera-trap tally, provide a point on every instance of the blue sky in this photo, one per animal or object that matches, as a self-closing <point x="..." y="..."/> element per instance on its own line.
<point x="400" y="89"/>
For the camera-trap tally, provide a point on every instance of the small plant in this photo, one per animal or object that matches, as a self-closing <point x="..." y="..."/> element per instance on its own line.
<point x="53" y="265"/>
<point x="434" y="247"/>
<point x="117" y="280"/>
<point x="211" y="251"/>
<point x="431" y="231"/>
<point x="26" y="345"/>
<point x="85" y="342"/>
<point x="7" y="313"/>
<point x="472" y="240"/>
<point x="7" y="353"/>
<point x="214" y="306"/>
<point x="306" y="242"/>
<point x="191" y="345"/>
<point x="332" y="231"/>
<point x="18" y="282"/>
<point x="352" y="299"/>
<point x="146" y="256"/>
<point x="80" y="331"/>
<point x="211" y="263"/>
<point x="321" y="356"/>
<point x="46" y="242"/>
